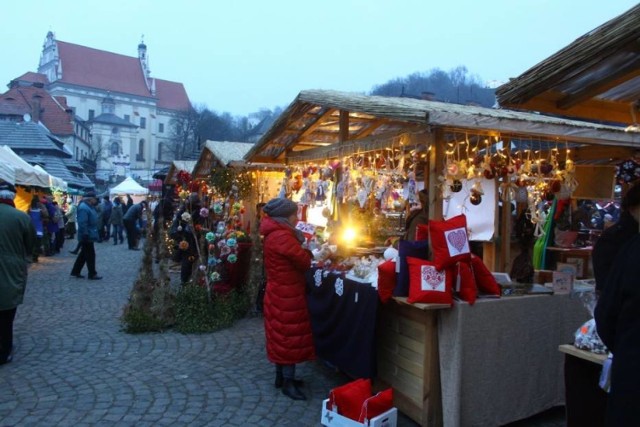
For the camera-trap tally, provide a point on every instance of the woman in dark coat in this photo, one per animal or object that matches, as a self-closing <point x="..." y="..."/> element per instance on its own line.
<point x="617" y="316"/>
<point x="287" y="324"/>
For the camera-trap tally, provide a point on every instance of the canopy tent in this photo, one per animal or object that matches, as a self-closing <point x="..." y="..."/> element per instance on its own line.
<point x="7" y="173"/>
<point x="131" y="187"/>
<point x="53" y="180"/>
<point x="25" y="174"/>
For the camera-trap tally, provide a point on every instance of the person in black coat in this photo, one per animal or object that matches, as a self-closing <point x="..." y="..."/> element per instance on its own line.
<point x="617" y="316"/>
<point x="613" y="238"/>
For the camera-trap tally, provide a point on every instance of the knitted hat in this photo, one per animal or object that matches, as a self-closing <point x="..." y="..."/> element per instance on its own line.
<point x="7" y="191"/>
<point x="5" y="186"/>
<point x="89" y="194"/>
<point x="280" y="207"/>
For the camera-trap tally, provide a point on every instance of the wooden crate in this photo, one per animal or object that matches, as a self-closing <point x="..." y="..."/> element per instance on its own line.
<point x="408" y="358"/>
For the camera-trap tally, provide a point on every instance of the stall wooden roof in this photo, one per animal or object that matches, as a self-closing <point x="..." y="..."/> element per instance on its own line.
<point x="597" y="77"/>
<point x="310" y="126"/>
<point x="227" y="154"/>
<point x="177" y="166"/>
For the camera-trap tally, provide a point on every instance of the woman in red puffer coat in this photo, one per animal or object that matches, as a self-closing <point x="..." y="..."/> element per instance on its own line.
<point x="287" y="325"/>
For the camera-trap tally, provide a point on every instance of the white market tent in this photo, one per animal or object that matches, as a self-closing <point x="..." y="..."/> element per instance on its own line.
<point x="131" y="187"/>
<point x="25" y="174"/>
<point x="7" y="172"/>
<point x="53" y="180"/>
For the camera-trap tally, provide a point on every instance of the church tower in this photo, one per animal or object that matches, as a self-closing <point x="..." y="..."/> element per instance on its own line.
<point x="50" y="64"/>
<point x="144" y="64"/>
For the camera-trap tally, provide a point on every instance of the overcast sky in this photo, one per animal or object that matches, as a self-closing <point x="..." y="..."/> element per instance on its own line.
<point x="239" y="56"/>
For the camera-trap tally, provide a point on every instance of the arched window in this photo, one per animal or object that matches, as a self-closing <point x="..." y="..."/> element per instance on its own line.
<point x="115" y="149"/>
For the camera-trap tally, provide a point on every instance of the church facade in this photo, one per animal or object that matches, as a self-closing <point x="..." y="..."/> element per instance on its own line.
<point x="128" y="111"/>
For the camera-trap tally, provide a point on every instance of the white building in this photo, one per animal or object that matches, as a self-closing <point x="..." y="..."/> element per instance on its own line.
<point x="128" y="111"/>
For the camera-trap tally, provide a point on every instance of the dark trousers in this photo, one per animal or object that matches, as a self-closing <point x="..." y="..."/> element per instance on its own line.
<point x="87" y="255"/>
<point x="6" y="333"/>
<point x="186" y="268"/>
<point x="117" y="233"/>
<point x="132" y="234"/>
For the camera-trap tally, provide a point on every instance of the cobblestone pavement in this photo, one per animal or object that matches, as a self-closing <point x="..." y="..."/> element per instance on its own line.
<point x="73" y="366"/>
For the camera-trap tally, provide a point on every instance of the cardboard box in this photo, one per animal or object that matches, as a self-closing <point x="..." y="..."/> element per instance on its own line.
<point x="328" y="418"/>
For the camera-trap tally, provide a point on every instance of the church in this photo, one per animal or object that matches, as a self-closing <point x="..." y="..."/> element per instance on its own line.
<point x="129" y="112"/>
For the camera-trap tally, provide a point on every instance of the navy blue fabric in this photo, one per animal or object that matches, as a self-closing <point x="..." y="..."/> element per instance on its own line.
<point x="344" y="325"/>
<point x="417" y="249"/>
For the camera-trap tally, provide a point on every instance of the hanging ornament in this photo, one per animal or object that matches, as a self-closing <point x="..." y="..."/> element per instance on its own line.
<point x="456" y="186"/>
<point x="475" y="198"/>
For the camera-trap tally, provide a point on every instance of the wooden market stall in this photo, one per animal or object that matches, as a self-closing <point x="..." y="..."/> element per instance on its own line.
<point x="596" y="78"/>
<point x="265" y="177"/>
<point x="420" y="344"/>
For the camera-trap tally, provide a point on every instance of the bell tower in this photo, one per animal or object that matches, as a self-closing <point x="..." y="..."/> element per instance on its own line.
<point x="50" y="64"/>
<point x="144" y="64"/>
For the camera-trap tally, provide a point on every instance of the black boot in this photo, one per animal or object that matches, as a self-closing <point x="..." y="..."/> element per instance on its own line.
<point x="280" y="380"/>
<point x="290" y="390"/>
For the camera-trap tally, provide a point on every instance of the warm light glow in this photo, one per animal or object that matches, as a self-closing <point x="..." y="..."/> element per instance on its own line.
<point x="349" y="234"/>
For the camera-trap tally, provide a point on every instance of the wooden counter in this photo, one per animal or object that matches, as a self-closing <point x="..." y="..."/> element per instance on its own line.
<point x="583" y="354"/>
<point x="408" y="358"/>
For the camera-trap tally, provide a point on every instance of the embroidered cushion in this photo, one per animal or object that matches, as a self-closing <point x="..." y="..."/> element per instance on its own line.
<point x="347" y="399"/>
<point x="449" y="241"/>
<point x="376" y="405"/>
<point x="485" y="281"/>
<point x="422" y="232"/>
<point x="427" y="284"/>
<point x="387" y="279"/>
<point x="464" y="283"/>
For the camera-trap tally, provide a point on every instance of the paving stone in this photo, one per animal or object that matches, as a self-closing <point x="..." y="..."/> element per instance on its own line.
<point x="74" y="365"/>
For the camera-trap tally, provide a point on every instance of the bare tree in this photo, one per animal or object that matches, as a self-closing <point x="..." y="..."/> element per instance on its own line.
<point x="184" y="139"/>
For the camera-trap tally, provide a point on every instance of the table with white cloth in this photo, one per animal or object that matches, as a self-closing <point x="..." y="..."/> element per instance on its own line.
<point x="499" y="359"/>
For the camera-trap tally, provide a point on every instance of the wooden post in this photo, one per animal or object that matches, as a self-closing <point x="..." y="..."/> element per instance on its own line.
<point x="436" y="167"/>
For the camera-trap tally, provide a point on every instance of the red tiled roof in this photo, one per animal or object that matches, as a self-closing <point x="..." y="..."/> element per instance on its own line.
<point x="52" y="115"/>
<point x="100" y="69"/>
<point x="172" y="95"/>
<point x="32" y="77"/>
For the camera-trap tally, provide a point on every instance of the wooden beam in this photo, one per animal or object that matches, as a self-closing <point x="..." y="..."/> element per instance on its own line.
<point x="368" y="130"/>
<point x="343" y="134"/>
<point x="318" y="122"/>
<point x="616" y="78"/>
<point x="598" y="152"/>
<point x="593" y="109"/>
<point x="353" y="146"/>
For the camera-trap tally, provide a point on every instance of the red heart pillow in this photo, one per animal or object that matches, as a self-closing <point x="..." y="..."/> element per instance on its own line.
<point x="464" y="283"/>
<point x="348" y="398"/>
<point x="484" y="279"/>
<point x="449" y="241"/>
<point x="422" y="232"/>
<point x="387" y="279"/>
<point x="428" y="285"/>
<point x="376" y="405"/>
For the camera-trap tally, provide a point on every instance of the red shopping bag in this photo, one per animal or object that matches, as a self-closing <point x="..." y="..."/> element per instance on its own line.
<point x="376" y="405"/>
<point x="347" y="399"/>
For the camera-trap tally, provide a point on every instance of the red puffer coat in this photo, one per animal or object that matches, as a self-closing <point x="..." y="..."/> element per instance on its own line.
<point x="286" y="317"/>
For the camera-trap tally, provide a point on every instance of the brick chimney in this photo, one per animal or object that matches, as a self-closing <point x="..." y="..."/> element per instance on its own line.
<point x="428" y="96"/>
<point x="36" y="108"/>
